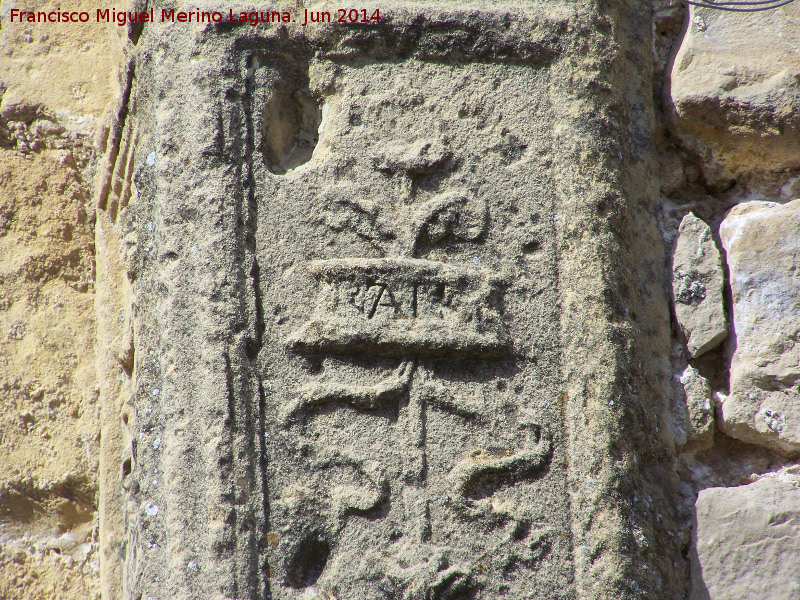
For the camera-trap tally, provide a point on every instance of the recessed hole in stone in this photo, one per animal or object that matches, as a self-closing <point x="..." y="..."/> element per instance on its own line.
<point x="531" y="246"/>
<point x="308" y="563"/>
<point x="291" y="126"/>
<point x="127" y="467"/>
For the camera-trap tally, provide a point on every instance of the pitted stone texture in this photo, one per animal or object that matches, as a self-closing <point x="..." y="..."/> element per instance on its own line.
<point x="747" y="542"/>
<point x="697" y="282"/>
<point x="56" y="80"/>
<point x="358" y="197"/>
<point x="48" y="391"/>
<point x="762" y="241"/>
<point x="697" y="422"/>
<point x="736" y="92"/>
<point x="394" y="473"/>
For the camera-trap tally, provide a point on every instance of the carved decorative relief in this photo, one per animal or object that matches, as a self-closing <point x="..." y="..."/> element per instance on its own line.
<point x="404" y="307"/>
<point x="411" y="310"/>
<point x="407" y="289"/>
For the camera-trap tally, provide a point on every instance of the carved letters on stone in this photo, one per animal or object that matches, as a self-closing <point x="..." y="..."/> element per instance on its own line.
<point x="404" y="307"/>
<point x="409" y="306"/>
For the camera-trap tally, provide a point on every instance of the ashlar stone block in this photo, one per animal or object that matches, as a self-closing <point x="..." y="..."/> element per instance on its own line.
<point x="762" y="241"/>
<point x="736" y="107"/>
<point x="361" y="257"/>
<point x="746" y="542"/>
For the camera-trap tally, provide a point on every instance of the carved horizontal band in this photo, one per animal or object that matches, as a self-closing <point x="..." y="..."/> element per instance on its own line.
<point x="404" y="307"/>
<point x="528" y="35"/>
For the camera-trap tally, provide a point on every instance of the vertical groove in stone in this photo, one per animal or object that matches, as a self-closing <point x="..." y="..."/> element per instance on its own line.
<point x="197" y="518"/>
<point x="105" y="172"/>
<point x="113" y="297"/>
<point x="258" y="572"/>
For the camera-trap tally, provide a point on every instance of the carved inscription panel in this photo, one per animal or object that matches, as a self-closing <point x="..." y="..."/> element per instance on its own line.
<point x="410" y="357"/>
<point x="404" y="307"/>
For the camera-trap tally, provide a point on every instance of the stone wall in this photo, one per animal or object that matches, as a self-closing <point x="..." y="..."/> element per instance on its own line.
<point x="481" y="317"/>
<point x="56" y="83"/>
<point x="730" y="216"/>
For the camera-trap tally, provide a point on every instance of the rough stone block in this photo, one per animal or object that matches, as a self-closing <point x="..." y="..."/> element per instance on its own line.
<point x="697" y="283"/>
<point x="762" y="241"/>
<point x="747" y="542"/>
<point x="699" y="417"/>
<point x="48" y="390"/>
<point x="736" y="92"/>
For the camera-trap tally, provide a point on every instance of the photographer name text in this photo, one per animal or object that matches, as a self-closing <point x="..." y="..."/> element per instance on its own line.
<point x="345" y="16"/>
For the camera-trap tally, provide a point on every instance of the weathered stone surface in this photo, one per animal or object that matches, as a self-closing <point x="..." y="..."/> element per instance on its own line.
<point x="348" y="333"/>
<point x="66" y="71"/>
<point x="393" y="306"/>
<point x="762" y="241"/>
<point x="697" y="284"/>
<point x="47" y="377"/>
<point x="48" y="393"/>
<point x="747" y="542"/>
<point x="696" y="423"/>
<point x="402" y="463"/>
<point x="114" y="352"/>
<point x="736" y="92"/>
<point x="56" y="81"/>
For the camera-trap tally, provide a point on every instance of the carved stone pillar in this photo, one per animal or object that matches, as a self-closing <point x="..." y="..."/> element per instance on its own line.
<point x="385" y="326"/>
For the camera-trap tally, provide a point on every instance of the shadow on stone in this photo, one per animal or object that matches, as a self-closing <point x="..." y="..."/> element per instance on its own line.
<point x="308" y="564"/>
